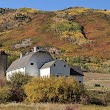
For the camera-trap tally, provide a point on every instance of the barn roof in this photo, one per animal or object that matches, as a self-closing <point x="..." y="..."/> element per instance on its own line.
<point x="47" y="65"/>
<point x="76" y="70"/>
<point x="19" y="63"/>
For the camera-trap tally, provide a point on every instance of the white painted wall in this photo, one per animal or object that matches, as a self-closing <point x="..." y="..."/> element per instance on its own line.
<point x="45" y="72"/>
<point x="59" y="69"/>
<point x="10" y="73"/>
<point x="78" y="78"/>
<point x="38" y="60"/>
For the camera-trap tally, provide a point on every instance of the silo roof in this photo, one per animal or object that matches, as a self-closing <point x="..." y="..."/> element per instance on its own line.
<point x="2" y="52"/>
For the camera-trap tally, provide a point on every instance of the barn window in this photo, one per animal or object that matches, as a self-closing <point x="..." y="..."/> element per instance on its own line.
<point x="54" y="64"/>
<point x="32" y="63"/>
<point x="79" y="81"/>
<point x="64" y="65"/>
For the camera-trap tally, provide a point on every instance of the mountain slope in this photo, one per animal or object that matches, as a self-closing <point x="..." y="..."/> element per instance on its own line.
<point x="75" y="31"/>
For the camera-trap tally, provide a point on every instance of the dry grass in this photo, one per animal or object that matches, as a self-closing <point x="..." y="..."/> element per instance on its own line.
<point x="90" y="79"/>
<point x="95" y="76"/>
<point x="14" y="106"/>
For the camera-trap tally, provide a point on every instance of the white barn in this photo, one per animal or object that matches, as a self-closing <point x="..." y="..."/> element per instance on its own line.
<point x="40" y="63"/>
<point x="56" y="68"/>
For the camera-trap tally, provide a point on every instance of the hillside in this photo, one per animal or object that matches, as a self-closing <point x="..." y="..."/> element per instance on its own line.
<point x="76" y="31"/>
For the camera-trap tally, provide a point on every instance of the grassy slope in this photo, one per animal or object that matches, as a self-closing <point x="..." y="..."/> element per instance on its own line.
<point x="95" y="25"/>
<point x="96" y="28"/>
<point x="90" y="79"/>
<point x="37" y="30"/>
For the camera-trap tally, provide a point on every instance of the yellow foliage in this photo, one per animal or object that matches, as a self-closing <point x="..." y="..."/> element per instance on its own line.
<point x="4" y="93"/>
<point x="105" y="12"/>
<point x="74" y="36"/>
<point x="54" y="89"/>
<point x="27" y="10"/>
<point x="77" y="11"/>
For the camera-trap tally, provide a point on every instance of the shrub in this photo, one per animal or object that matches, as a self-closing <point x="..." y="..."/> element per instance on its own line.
<point x="99" y="98"/>
<point x="97" y="85"/>
<point x="1" y="45"/>
<point x="4" y="94"/>
<point x="84" y="99"/>
<point x="13" y="90"/>
<point x="16" y="94"/>
<point x="17" y="81"/>
<point x="4" y="90"/>
<point x="54" y="89"/>
<point x="2" y="81"/>
<point x="66" y="26"/>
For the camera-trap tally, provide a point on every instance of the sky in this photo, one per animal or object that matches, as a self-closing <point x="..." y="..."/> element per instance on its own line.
<point x="50" y="5"/>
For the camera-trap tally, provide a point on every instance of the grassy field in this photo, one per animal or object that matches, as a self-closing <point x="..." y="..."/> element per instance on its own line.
<point x="14" y="106"/>
<point x="90" y="79"/>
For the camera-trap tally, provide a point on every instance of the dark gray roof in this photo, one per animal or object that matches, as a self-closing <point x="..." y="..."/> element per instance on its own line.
<point x="47" y="65"/>
<point x="76" y="70"/>
<point x="19" y="63"/>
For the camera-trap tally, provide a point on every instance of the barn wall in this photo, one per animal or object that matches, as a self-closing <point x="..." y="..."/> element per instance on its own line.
<point x="45" y="72"/>
<point x="38" y="60"/>
<point x="78" y="78"/>
<point x="20" y="70"/>
<point x="60" y="68"/>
